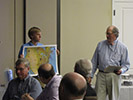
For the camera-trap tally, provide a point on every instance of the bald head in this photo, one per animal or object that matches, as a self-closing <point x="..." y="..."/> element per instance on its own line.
<point x="74" y="86"/>
<point x="46" y="71"/>
<point x="46" y="67"/>
<point x="110" y="27"/>
<point x="113" y="29"/>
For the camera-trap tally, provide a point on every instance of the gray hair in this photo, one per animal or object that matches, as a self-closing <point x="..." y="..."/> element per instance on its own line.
<point x="114" y="30"/>
<point x="24" y="61"/>
<point x="83" y="67"/>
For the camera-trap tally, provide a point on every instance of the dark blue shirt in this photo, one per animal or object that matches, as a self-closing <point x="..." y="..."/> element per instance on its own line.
<point x="16" y="88"/>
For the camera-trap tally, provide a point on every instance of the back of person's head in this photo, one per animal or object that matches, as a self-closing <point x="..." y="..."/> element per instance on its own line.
<point x="32" y="31"/>
<point x="83" y="67"/>
<point x="22" y="60"/>
<point x="46" y="71"/>
<point x="73" y="86"/>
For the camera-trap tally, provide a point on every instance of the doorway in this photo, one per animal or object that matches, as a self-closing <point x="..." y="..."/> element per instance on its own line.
<point x="122" y="17"/>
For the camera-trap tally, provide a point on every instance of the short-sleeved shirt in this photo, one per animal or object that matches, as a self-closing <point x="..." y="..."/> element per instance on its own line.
<point x="28" y="44"/>
<point x="16" y="88"/>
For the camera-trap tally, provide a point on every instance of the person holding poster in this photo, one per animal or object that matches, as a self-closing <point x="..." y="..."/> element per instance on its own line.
<point x="34" y="34"/>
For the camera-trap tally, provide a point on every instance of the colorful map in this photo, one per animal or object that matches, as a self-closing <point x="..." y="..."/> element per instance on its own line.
<point x="38" y="55"/>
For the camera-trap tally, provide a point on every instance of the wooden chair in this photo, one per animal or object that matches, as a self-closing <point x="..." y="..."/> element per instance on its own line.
<point x="90" y="98"/>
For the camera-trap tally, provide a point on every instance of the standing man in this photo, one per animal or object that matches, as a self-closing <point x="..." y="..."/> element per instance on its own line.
<point x="23" y="83"/>
<point x="72" y="87"/>
<point x="110" y="52"/>
<point x="52" y="81"/>
<point x="34" y="34"/>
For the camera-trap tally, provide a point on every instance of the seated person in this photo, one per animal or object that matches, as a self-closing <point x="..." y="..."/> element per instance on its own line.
<point x="83" y="67"/>
<point x="52" y="81"/>
<point x="72" y="87"/>
<point x="23" y="83"/>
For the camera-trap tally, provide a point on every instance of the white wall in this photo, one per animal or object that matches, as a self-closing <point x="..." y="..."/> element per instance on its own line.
<point x="83" y="25"/>
<point x="6" y="37"/>
<point x="43" y="14"/>
<point x="7" y="43"/>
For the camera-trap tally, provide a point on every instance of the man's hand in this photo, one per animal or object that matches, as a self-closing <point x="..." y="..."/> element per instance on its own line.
<point x="118" y="72"/>
<point x="26" y="96"/>
<point x="58" y="52"/>
<point x="89" y="80"/>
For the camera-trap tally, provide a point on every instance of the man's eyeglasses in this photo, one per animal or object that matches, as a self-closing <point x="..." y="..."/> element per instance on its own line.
<point x="20" y="69"/>
<point x="109" y="33"/>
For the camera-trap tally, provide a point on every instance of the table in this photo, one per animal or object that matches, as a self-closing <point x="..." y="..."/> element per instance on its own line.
<point x="126" y="93"/>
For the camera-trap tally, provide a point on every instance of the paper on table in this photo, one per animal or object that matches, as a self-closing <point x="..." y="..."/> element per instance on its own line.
<point x="112" y="68"/>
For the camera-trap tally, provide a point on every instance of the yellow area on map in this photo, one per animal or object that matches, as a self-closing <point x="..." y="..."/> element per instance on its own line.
<point x="37" y="56"/>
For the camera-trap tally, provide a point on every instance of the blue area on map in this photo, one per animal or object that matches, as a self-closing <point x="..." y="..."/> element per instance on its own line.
<point x="51" y="59"/>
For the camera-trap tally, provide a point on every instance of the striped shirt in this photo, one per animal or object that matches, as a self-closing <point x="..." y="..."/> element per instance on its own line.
<point x="110" y="55"/>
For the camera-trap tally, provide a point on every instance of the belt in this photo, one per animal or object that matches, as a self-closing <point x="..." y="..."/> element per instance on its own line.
<point x="103" y="71"/>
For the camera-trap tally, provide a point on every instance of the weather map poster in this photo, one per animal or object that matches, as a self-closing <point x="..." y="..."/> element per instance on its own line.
<point x="38" y="55"/>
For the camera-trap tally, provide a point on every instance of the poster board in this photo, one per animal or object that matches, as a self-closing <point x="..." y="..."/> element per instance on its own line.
<point x="112" y="68"/>
<point x="38" y="55"/>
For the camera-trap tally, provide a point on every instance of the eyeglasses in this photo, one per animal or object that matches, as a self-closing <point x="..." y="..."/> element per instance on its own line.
<point x="109" y="33"/>
<point x="20" y="69"/>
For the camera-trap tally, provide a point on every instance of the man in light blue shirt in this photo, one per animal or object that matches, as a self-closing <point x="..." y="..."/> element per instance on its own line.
<point x="110" y="52"/>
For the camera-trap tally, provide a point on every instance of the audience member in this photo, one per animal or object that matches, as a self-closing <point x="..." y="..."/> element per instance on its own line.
<point x="52" y="81"/>
<point x="23" y="83"/>
<point x="83" y="67"/>
<point x="72" y="87"/>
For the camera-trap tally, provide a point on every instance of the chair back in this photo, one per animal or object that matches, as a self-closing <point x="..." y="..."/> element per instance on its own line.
<point x="90" y="98"/>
